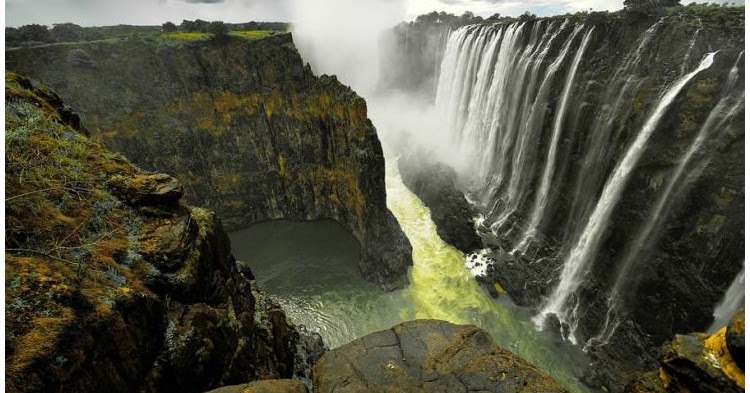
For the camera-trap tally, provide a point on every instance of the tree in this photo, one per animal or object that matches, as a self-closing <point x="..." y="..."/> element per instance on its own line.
<point x="218" y="28"/>
<point x="66" y="32"/>
<point x="79" y="58"/>
<point x="526" y="16"/>
<point x="35" y="33"/>
<point x="168" y="27"/>
<point x="648" y="7"/>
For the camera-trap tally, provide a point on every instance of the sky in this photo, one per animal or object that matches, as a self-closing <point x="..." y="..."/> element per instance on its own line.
<point x="154" y="12"/>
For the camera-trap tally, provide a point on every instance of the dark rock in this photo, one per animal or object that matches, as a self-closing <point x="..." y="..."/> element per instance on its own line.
<point x="694" y="363"/>
<point x="147" y="189"/>
<point x="427" y="356"/>
<point x="736" y="338"/>
<point x="437" y="186"/>
<point x="248" y="130"/>
<point x="154" y="304"/>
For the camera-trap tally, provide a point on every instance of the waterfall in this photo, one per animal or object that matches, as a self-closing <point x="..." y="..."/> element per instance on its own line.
<point x="733" y="300"/>
<point x="524" y="155"/>
<point x="691" y="165"/>
<point x="580" y="257"/>
<point x="542" y="194"/>
<point x="599" y="144"/>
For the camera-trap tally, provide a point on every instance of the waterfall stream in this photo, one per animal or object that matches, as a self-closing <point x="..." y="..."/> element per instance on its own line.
<point x="579" y="260"/>
<point x="510" y="95"/>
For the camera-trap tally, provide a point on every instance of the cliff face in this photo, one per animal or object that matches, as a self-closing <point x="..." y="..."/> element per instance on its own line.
<point x="113" y="284"/>
<point x="682" y="269"/>
<point x="244" y="125"/>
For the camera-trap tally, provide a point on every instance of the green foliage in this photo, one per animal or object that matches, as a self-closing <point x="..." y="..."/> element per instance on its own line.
<point x="526" y="16"/>
<point x="218" y="28"/>
<point x="185" y="36"/>
<point x="252" y="34"/>
<point x="79" y="58"/>
<point x="648" y="7"/>
<point x="66" y="32"/>
<point x="168" y="27"/>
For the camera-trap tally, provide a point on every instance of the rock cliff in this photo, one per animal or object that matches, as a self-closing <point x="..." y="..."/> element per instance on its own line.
<point x="684" y="267"/>
<point x="112" y="283"/>
<point x="247" y="128"/>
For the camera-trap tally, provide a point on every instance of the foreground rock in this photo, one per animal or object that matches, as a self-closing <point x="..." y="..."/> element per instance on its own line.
<point x="245" y="126"/>
<point x="427" y="356"/>
<point x="267" y="386"/>
<point x="112" y="284"/>
<point x="700" y="363"/>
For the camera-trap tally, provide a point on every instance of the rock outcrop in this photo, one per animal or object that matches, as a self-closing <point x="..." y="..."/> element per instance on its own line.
<point x="112" y="283"/>
<point x="437" y="186"/>
<point x="699" y="363"/>
<point x="427" y="356"/>
<point x="244" y="125"/>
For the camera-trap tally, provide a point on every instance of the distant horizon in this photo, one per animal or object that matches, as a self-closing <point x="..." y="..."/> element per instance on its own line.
<point x="93" y="13"/>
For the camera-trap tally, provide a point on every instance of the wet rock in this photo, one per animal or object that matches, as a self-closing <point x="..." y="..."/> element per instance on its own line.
<point x="736" y="338"/>
<point x="694" y="363"/>
<point x="437" y="186"/>
<point x="427" y="356"/>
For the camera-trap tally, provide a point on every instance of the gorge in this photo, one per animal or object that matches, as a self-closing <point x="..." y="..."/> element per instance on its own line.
<point x="588" y="169"/>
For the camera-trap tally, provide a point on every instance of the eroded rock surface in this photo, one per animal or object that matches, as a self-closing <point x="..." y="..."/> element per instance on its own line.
<point x="427" y="356"/>
<point x="112" y="283"/>
<point x="244" y="125"/>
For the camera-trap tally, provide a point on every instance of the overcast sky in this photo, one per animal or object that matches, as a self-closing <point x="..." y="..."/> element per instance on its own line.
<point x="151" y="12"/>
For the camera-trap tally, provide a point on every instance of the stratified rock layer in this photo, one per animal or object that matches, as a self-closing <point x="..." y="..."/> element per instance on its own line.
<point x="112" y="284"/>
<point x="247" y="128"/>
<point x="427" y="356"/>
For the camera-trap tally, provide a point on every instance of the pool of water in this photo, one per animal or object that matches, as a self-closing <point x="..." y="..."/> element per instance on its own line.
<point x="310" y="268"/>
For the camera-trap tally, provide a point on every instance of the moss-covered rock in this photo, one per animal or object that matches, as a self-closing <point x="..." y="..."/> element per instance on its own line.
<point x="244" y="125"/>
<point x="112" y="284"/>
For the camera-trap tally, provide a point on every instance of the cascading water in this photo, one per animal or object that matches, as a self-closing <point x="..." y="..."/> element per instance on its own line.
<point x="579" y="260"/>
<point x="542" y="194"/>
<point x="733" y="300"/>
<point x="691" y="165"/>
<point x="542" y="114"/>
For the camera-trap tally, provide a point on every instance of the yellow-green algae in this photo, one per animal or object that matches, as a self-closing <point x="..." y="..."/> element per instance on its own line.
<point x="442" y="288"/>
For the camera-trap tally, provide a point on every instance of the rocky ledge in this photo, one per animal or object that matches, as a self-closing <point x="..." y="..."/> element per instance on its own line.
<point x="427" y="356"/>
<point x="112" y="283"/>
<point x="700" y="363"/>
<point x="244" y="125"/>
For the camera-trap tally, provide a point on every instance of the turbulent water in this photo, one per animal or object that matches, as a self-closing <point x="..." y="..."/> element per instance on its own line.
<point x="310" y="268"/>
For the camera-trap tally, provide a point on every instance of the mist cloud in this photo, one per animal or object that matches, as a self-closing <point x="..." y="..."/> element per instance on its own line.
<point x="341" y="36"/>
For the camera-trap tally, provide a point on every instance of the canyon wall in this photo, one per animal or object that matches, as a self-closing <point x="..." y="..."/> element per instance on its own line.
<point x="244" y="125"/>
<point x="604" y="157"/>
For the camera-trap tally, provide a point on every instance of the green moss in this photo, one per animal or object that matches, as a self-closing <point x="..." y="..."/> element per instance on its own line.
<point x="252" y="34"/>
<point x="185" y="36"/>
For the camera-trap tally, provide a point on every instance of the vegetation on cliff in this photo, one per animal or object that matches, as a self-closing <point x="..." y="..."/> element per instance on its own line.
<point x="111" y="282"/>
<point x="245" y="126"/>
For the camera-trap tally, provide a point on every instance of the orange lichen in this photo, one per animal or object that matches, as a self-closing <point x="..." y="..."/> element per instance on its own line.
<point x="715" y="350"/>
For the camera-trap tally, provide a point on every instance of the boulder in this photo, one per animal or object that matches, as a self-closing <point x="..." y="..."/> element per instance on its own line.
<point x="427" y="356"/>
<point x="266" y="386"/>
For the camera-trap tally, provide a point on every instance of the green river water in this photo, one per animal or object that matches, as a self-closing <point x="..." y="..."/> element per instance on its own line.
<point x="310" y="268"/>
